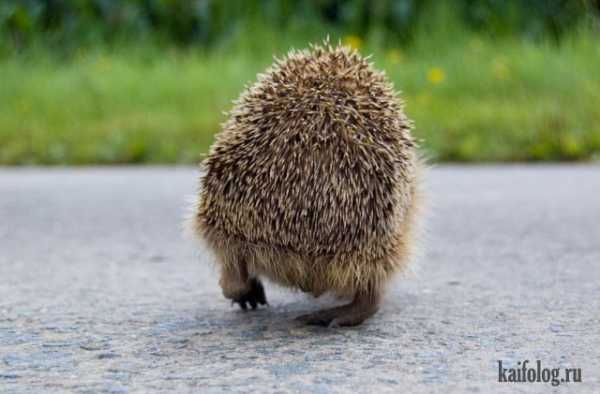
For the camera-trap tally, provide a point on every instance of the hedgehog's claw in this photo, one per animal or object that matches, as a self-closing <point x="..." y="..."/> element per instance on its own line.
<point x="255" y="296"/>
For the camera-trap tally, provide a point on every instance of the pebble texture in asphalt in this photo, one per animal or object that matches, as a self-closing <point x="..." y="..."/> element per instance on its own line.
<point x="99" y="292"/>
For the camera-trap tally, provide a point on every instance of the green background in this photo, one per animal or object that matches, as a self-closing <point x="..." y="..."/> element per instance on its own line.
<point x="147" y="81"/>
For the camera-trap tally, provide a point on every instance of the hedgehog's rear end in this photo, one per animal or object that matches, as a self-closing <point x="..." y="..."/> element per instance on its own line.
<point x="312" y="183"/>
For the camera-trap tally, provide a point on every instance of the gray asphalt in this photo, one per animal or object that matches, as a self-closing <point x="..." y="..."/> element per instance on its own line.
<point x="99" y="291"/>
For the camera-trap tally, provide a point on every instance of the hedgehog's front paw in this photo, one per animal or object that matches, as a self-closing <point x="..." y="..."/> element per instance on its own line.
<point x="253" y="296"/>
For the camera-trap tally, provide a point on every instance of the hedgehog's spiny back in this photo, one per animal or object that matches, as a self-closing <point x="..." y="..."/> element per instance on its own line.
<point x="316" y="157"/>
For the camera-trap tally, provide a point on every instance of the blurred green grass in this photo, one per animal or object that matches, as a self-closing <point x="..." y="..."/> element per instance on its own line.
<point x="472" y="98"/>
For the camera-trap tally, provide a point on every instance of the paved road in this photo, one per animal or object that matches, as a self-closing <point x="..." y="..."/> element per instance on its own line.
<point x="99" y="292"/>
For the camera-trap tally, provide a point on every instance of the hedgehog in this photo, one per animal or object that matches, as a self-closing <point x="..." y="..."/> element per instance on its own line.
<point x="313" y="184"/>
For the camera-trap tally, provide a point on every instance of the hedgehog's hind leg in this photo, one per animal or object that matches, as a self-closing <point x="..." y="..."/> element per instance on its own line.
<point x="363" y="306"/>
<point x="238" y="285"/>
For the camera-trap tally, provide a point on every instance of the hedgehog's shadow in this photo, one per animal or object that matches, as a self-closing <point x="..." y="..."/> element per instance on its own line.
<point x="275" y="320"/>
<point x="267" y="330"/>
<point x="280" y="316"/>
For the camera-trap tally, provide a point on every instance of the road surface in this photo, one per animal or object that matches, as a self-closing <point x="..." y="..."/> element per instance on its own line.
<point x="100" y="292"/>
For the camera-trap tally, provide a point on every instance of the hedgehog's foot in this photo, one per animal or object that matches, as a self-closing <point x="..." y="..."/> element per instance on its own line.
<point x="240" y="288"/>
<point x="361" y="308"/>
<point x="254" y="296"/>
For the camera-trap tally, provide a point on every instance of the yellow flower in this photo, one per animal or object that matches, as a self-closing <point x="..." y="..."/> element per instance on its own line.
<point x="354" y="42"/>
<point x="500" y="70"/>
<point x="394" y="56"/>
<point x="436" y="75"/>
